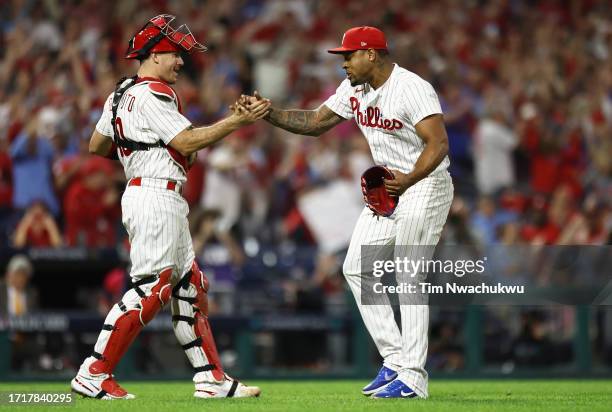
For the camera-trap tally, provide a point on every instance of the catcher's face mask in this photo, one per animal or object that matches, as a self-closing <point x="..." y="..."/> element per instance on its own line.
<point x="159" y="35"/>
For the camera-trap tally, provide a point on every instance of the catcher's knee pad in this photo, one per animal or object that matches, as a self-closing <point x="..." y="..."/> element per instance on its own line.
<point x="191" y="326"/>
<point x="126" y="318"/>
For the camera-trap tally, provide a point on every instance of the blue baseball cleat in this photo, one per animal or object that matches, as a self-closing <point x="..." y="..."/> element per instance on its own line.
<point x="384" y="377"/>
<point x="396" y="389"/>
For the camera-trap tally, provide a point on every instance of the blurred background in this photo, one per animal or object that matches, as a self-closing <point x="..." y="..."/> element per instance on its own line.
<point x="526" y="88"/>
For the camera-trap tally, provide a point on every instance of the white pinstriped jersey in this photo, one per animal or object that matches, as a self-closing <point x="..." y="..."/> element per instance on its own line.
<point x="148" y="117"/>
<point x="387" y="116"/>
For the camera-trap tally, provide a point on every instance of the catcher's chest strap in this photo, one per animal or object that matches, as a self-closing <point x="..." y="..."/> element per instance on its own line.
<point x="122" y="141"/>
<point x="132" y="145"/>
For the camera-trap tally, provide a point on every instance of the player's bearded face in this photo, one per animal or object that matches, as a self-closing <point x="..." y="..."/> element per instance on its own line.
<point x="357" y="67"/>
<point x="169" y="66"/>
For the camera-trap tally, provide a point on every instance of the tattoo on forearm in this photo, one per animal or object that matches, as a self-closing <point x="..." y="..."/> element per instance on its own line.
<point x="295" y="121"/>
<point x="305" y="122"/>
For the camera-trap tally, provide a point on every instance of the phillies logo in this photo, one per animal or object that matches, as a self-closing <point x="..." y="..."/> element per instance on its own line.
<point x="372" y="117"/>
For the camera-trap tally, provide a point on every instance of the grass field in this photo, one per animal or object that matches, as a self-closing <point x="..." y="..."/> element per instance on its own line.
<point x="315" y="396"/>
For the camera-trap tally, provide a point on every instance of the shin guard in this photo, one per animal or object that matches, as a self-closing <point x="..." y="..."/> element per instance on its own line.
<point x="191" y="327"/>
<point x="125" y="320"/>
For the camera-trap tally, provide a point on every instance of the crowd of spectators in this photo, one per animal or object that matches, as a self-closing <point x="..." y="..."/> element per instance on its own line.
<point x="526" y="88"/>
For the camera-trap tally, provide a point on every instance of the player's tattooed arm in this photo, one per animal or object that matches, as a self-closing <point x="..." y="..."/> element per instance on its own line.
<point x="306" y="122"/>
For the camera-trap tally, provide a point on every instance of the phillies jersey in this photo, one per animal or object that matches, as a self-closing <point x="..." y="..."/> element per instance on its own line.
<point x="387" y="116"/>
<point x="148" y="112"/>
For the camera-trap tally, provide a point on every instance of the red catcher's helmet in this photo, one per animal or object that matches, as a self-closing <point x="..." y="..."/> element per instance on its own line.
<point x="159" y="36"/>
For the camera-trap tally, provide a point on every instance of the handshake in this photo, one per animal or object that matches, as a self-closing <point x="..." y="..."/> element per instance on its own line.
<point x="249" y="109"/>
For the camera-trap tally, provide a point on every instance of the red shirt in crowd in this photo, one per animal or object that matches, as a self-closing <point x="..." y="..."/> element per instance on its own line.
<point x="6" y="180"/>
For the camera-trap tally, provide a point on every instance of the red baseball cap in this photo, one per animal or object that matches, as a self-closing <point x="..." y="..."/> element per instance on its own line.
<point x="361" y="38"/>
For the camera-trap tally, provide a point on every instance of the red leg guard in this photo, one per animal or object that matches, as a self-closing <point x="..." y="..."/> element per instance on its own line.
<point x="128" y="325"/>
<point x="199" y="279"/>
<point x="201" y="326"/>
<point x="203" y="330"/>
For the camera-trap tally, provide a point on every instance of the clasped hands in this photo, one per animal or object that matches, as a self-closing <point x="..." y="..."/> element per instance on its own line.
<point x="249" y="109"/>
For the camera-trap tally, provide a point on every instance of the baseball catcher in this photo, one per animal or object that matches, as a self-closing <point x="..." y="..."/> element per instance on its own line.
<point x="142" y="125"/>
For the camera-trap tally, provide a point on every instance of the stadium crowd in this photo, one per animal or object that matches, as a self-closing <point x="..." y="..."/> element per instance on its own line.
<point x="526" y="87"/>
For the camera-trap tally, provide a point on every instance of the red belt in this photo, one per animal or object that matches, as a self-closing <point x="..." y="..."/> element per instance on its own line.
<point x="170" y="184"/>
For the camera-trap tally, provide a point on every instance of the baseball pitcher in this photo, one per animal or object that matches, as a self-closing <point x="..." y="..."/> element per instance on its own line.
<point x="408" y="194"/>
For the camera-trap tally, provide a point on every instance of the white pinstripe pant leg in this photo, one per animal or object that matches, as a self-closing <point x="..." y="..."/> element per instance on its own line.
<point x="419" y="219"/>
<point x="378" y="319"/>
<point x="156" y="222"/>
